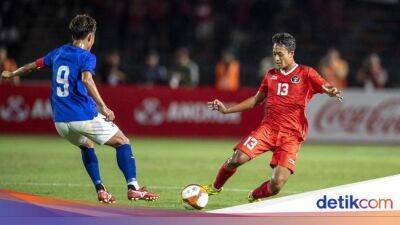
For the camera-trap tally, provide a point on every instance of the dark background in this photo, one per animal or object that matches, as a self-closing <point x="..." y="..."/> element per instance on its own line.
<point x="30" y="28"/>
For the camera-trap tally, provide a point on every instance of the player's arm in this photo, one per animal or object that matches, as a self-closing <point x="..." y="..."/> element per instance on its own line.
<point x="319" y="85"/>
<point x="27" y="68"/>
<point x="332" y="91"/>
<point x="240" y="107"/>
<point x="87" y="80"/>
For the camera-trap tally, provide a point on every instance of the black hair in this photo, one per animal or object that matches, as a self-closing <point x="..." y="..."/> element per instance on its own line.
<point x="285" y="39"/>
<point x="81" y="25"/>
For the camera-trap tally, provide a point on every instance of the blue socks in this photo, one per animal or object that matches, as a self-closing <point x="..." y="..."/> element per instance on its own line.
<point x="91" y="164"/>
<point x="126" y="163"/>
<point x="125" y="159"/>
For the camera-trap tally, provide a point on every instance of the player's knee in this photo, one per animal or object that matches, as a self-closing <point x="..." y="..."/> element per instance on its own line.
<point x="238" y="158"/>
<point x="118" y="140"/>
<point x="232" y="163"/>
<point x="122" y="140"/>
<point x="88" y="144"/>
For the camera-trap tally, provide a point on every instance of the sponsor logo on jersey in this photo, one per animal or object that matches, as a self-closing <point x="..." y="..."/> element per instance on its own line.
<point x="295" y="79"/>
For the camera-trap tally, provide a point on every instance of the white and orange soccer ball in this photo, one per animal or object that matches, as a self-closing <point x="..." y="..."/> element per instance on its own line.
<point x="194" y="196"/>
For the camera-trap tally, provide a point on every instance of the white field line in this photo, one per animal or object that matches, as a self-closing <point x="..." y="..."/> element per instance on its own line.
<point x="115" y="185"/>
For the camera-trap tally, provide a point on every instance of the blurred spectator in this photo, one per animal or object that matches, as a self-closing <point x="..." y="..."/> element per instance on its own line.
<point x="265" y="65"/>
<point x="114" y="75"/>
<point x="154" y="73"/>
<point x="372" y="74"/>
<point x="185" y="72"/>
<point x="334" y="69"/>
<point x="204" y="15"/>
<point x="140" y="25"/>
<point x="227" y="72"/>
<point x="8" y="65"/>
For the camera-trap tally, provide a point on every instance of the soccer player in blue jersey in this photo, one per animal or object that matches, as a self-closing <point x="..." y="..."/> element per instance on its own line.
<point x="80" y="114"/>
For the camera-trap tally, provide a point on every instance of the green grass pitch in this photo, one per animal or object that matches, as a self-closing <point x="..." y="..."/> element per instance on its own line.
<point x="50" y="166"/>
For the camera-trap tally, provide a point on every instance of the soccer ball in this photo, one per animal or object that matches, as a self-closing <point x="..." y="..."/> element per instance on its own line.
<point x="194" y="196"/>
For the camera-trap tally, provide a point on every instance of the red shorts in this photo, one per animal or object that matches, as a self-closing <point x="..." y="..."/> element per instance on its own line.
<point x="284" y="146"/>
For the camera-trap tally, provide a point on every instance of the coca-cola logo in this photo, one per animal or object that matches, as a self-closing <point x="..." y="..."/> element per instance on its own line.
<point x="382" y="118"/>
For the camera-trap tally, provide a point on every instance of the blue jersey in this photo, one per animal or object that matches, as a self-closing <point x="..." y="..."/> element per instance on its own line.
<point x="69" y="97"/>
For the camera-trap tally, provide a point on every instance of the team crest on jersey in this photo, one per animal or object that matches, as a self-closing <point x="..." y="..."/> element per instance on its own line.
<point x="274" y="77"/>
<point x="295" y="79"/>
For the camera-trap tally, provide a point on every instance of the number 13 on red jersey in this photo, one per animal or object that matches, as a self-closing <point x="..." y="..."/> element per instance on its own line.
<point x="250" y="143"/>
<point x="283" y="89"/>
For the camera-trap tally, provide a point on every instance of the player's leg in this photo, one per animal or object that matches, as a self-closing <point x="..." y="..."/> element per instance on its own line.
<point x="229" y="168"/>
<point x="226" y="171"/>
<point x="271" y="187"/>
<point x="106" y="132"/>
<point x="125" y="159"/>
<point x="279" y="177"/>
<point x="89" y="159"/>
<point x="249" y="147"/>
<point x="91" y="164"/>
<point x="283" y="163"/>
<point x="127" y="164"/>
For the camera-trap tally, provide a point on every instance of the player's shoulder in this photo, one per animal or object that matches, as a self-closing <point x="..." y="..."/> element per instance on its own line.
<point x="304" y="67"/>
<point x="56" y="50"/>
<point x="89" y="55"/>
<point x="85" y="56"/>
<point x="306" y="70"/>
<point x="272" y="71"/>
<point x="76" y="50"/>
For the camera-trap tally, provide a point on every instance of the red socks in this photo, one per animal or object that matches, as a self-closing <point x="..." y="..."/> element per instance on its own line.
<point x="263" y="191"/>
<point x="222" y="176"/>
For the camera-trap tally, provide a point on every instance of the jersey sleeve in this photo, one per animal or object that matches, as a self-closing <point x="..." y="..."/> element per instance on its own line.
<point x="316" y="81"/>
<point x="40" y="62"/>
<point x="89" y="64"/>
<point x="264" y="84"/>
<point x="47" y="60"/>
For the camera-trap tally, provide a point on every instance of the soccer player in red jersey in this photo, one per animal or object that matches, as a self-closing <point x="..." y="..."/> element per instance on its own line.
<point x="287" y="90"/>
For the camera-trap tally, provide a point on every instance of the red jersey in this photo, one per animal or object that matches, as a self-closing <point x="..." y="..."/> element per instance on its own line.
<point x="287" y="95"/>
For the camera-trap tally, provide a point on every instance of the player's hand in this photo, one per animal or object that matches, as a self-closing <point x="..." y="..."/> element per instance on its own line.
<point x="217" y="105"/>
<point x="333" y="92"/>
<point x="6" y="74"/>
<point x="108" y="113"/>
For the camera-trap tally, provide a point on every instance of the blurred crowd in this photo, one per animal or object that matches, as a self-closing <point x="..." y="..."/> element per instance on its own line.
<point x="226" y="44"/>
<point x="185" y="72"/>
